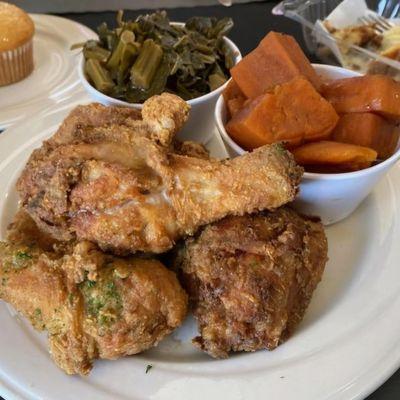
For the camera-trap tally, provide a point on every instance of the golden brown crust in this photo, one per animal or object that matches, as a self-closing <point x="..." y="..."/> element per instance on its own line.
<point x="191" y="149"/>
<point x="137" y="197"/>
<point x="250" y="279"/>
<point x="165" y="114"/>
<point x="23" y="230"/>
<point x="160" y="120"/>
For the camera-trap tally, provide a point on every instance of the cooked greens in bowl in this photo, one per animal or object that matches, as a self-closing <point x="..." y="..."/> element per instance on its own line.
<point x="151" y="55"/>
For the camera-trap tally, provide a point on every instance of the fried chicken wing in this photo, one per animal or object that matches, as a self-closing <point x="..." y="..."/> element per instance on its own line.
<point x="191" y="149"/>
<point x="95" y="124"/>
<point x="251" y="278"/>
<point x="136" y="196"/>
<point x="160" y="119"/>
<point x="93" y="305"/>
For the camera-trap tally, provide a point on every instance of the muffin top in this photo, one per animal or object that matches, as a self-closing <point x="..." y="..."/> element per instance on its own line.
<point x="16" y="27"/>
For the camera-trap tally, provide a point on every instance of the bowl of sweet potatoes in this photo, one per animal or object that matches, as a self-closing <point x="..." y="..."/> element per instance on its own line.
<point x="342" y="127"/>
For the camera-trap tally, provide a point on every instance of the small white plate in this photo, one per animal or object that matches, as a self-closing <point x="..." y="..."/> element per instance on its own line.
<point x="347" y="345"/>
<point x="55" y="76"/>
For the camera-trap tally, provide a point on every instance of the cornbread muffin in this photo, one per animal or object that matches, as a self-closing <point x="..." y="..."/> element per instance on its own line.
<point x="16" y="33"/>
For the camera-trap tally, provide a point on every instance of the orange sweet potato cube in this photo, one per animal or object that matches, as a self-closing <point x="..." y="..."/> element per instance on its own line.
<point x="232" y="91"/>
<point x="294" y="113"/>
<point x="277" y="59"/>
<point x="235" y="105"/>
<point x="233" y="97"/>
<point x="376" y="93"/>
<point x="328" y="156"/>
<point x="369" y="130"/>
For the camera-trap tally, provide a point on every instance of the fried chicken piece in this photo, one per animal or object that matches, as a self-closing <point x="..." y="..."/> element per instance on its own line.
<point x="191" y="149"/>
<point x="160" y="120"/>
<point x="251" y="278"/>
<point x="95" y="124"/>
<point x="164" y="116"/>
<point x="136" y="196"/>
<point x="92" y="305"/>
<point x="24" y="231"/>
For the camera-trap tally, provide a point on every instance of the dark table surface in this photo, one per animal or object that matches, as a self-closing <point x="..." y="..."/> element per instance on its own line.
<point x="252" y="22"/>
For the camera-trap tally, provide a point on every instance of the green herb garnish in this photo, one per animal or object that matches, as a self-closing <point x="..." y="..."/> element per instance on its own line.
<point x="90" y="283"/>
<point x="22" y="255"/>
<point x="280" y="147"/>
<point x="20" y="259"/>
<point x="38" y="319"/>
<point x="148" y="368"/>
<point x="102" y="300"/>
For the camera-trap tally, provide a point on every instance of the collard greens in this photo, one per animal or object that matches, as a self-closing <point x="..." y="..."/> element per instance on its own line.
<point x="149" y="55"/>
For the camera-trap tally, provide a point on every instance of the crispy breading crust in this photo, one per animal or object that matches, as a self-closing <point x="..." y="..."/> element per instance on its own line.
<point x="251" y="278"/>
<point x="165" y="114"/>
<point x="96" y="123"/>
<point x="191" y="149"/>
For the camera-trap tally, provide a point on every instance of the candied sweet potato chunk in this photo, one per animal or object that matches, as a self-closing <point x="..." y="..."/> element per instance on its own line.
<point x="233" y="97"/>
<point x="376" y="93"/>
<point x="232" y="91"/>
<point x="328" y="156"/>
<point x="369" y="130"/>
<point x="277" y="59"/>
<point x="295" y="112"/>
<point x="235" y="105"/>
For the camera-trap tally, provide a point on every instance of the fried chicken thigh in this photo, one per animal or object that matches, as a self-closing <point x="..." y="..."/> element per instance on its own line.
<point x="93" y="305"/>
<point x="251" y="278"/>
<point x="136" y="196"/>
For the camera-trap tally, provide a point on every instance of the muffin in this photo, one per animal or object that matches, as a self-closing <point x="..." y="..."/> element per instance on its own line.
<point x="16" y="50"/>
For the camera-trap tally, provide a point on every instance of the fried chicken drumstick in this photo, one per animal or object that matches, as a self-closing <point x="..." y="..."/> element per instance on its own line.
<point x="92" y="305"/>
<point x="138" y="198"/>
<point x="251" y="278"/>
<point x="125" y="192"/>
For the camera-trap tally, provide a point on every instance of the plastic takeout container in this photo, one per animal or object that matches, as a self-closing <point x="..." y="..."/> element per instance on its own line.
<point x="332" y="197"/>
<point x="309" y="12"/>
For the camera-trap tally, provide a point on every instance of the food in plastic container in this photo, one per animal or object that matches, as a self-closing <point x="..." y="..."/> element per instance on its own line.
<point x="342" y="14"/>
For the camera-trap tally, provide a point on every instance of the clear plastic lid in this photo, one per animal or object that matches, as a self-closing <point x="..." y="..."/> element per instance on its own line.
<point x="311" y="13"/>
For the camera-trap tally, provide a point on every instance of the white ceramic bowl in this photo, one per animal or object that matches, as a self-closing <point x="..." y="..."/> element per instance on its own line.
<point x="200" y="126"/>
<point x="333" y="197"/>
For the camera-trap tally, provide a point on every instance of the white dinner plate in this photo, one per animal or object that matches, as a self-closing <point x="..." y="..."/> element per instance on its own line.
<point x="55" y="75"/>
<point x="347" y="345"/>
